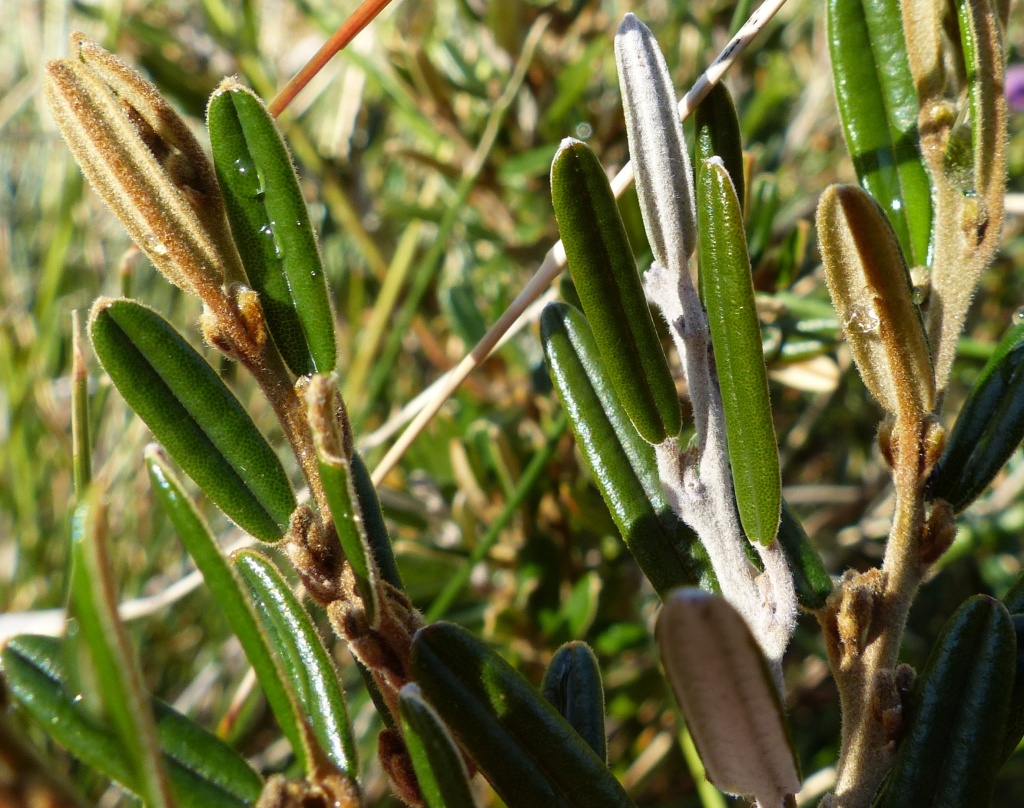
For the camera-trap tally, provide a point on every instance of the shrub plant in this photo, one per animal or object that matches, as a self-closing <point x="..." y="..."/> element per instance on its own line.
<point x="695" y="492"/>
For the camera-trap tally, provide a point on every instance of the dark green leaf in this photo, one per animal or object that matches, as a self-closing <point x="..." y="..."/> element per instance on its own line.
<point x="879" y="108"/>
<point x="572" y="684"/>
<point x="603" y="268"/>
<point x="953" y="744"/>
<point x="810" y="578"/>
<point x="622" y="464"/>
<point x="271" y="228"/>
<point x="736" y="337"/>
<point x="194" y="415"/>
<point x="203" y="771"/>
<point x="226" y="589"/>
<point x="530" y="754"/>
<point x="988" y="429"/>
<point x="440" y="769"/>
<point x="303" y="657"/>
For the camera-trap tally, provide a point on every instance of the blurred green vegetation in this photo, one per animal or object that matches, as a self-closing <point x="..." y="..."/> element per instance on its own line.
<point x="381" y="139"/>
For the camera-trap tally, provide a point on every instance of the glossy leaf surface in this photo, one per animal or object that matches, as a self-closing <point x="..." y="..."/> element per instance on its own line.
<point x="721" y="681"/>
<point x="988" y="429"/>
<point x="373" y="522"/>
<point x="952" y="747"/>
<point x="202" y="770"/>
<point x="305" y="661"/>
<point x="194" y="415"/>
<point x="271" y="228"/>
<point x="603" y="268"/>
<point x="440" y="769"/>
<point x="879" y="108"/>
<point x="226" y="588"/>
<point x="622" y="464"/>
<point x="530" y="754"/>
<point x="736" y="336"/>
<point x="572" y="685"/>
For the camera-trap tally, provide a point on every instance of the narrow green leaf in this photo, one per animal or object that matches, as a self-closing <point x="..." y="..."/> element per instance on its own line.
<point x="603" y="268"/>
<point x="810" y="578"/>
<point x="203" y="771"/>
<point x="528" y="752"/>
<point x="736" y="337"/>
<point x="988" y="429"/>
<point x="951" y="750"/>
<point x="572" y="685"/>
<point x="879" y="108"/>
<point x="621" y="463"/>
<point x="981" y="40"/>
<point x="193" y="414"/>
<point x="732" y="708"/>
<point x="871" y="290"/>
<point x="373" y="522"/>
<point x="271" y="227"/>
<point x="305" y="661"/>
<point x="718" y="134"/>
<point x="440" y="769"/>
<point x="333" y="441"/>
<point x="94" y="604"/>
<point x="226" y="588"/>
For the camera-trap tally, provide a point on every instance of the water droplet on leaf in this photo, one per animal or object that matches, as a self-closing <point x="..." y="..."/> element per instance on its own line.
<point x="861" y="319"/>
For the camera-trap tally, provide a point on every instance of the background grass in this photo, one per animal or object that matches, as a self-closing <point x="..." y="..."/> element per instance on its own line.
<point x="381" y="140"/>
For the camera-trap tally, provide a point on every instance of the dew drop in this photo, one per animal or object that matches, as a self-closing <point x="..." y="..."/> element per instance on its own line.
<point x="155" y="246"/>
<point x="248" y="178"/>
<point x="861" y="319"/>
<point x="1018" y="315"/>
<point x="270" y="231"/>
<point x="76" y="699"/>
<point x="919" y="295"/>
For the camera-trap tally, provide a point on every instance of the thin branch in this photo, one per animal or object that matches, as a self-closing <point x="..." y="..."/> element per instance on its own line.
<point x="346" y="32"/>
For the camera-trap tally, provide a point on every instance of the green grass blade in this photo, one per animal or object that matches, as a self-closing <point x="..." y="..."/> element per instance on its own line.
<point x="118" y="679"/>
<point x="952" y="747"/>
<point x="194" y="415"/>
<point x="621" y="463"/>
<point x="271" y="228"/>
<point x="226" y="589"/>
<point x="530" y="754"/>
<point x="736" y="336"/>
<point x="203" y="771"/>
<point x="305" y="661"/>
<point x="603" y="268"/>
<point x="440" y="769"/>
<point x="879" y="109"/>
<point x="572" y="685"/>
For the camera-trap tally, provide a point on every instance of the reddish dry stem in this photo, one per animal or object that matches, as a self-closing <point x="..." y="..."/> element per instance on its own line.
<point x="360" y="18"/>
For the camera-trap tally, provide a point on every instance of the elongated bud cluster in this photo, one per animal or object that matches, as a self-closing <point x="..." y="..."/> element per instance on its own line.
<point x="144" y="162"/>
